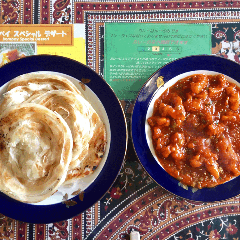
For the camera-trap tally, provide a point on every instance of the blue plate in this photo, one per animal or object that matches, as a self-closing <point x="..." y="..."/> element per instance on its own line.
<point x="58" y="212"/>
<point x="169" y="71"/>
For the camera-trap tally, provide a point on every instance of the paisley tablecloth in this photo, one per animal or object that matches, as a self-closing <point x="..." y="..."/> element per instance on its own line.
<point x="135" y="201"/>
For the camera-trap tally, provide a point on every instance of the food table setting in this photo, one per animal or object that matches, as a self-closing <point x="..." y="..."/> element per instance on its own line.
<point x="115" y="59"/>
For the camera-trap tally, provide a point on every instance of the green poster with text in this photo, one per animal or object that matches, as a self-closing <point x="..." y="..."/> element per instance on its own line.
<point x="134" y="51"/>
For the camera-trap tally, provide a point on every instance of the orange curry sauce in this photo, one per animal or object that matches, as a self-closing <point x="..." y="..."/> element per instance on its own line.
<point x="196" y="130"/>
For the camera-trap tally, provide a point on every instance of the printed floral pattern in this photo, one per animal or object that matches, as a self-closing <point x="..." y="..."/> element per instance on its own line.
<point x="58" y="230"/>
<point x="131" y="178"/>
<point x="215" y="229"/>
<point x="6" y="227"/>
<point x="134" y="201"/>
<point x="10" y="11"/>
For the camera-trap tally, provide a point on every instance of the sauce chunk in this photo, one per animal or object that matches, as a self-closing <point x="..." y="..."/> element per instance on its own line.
<point x="196" y="130"/>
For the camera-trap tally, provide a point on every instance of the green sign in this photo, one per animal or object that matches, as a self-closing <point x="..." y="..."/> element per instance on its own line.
<point x="134" y="51"/>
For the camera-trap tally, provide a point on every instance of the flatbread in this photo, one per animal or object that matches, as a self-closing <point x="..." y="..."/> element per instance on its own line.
<point x="32" y="177"/>
<point x="38" y="81"/>
<point x="35" y="152"/>
<point x="88" y="130"/>
<point x="21" y="88"/>
<point x="91" y="157"/>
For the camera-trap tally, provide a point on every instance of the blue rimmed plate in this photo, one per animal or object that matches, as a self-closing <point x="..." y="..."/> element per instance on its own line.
<point x="103" y="98"/>
<point x="169" y="74"/>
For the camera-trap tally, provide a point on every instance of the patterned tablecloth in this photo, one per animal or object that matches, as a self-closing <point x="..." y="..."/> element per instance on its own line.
<point x="134" y="201"/>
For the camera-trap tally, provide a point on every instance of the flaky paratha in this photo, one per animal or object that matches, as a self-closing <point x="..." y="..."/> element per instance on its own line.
<point x="21" y="88"/>
<point x="35" y="152"/>
<point x="38" y="81"/>
<point x="91" y="157"/>
<point x="85" y="128"/>
<point x="88" y="130"/>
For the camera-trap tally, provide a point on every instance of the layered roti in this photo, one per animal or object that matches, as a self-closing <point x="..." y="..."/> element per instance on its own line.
<point x="21" y="88"/>
<point x="41" y="81"/>
<point x="49" y="95"/>
<point x="91" y="156"/>
<point x="88" y="130"/>
<point x="35" y="152"/>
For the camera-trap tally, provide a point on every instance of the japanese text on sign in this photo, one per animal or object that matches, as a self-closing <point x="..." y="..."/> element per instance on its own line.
<point x="43" y="34"/>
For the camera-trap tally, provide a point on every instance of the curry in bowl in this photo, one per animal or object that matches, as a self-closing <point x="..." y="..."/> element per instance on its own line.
<point x="195" y="130"/>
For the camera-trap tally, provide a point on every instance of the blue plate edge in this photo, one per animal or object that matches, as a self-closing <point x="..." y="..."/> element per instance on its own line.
<point x="203" y="194"/>
<point x="41" y="210"/>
